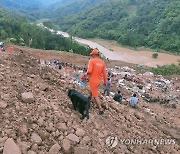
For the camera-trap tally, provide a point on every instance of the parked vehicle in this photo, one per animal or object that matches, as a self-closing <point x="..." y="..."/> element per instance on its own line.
<point x="2" y="44"/>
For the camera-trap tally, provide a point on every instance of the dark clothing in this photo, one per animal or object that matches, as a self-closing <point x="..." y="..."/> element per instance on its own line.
<point x="60" y="67"/>
<point x="118" y="97"/>
<point x="107" y="88"/>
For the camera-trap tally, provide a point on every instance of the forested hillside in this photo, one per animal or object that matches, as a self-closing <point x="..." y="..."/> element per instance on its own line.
<point x="137" y="23"/>
<point x="150" y="23"/>
<point x="15" y="29"/>
<point x="21" y="4"/>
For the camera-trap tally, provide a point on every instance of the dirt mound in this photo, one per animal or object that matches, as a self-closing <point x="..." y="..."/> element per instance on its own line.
<point x="36" y="116"/>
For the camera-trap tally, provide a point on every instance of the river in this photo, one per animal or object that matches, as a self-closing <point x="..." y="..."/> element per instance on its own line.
<point x="113" y="51"/>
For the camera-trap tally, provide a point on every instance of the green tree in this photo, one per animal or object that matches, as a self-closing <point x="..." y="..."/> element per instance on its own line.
<point x="155" y="55"/>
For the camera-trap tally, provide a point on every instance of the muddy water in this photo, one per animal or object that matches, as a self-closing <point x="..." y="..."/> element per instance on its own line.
<point x="113" y="51"/>
<point x="143" y="57"/>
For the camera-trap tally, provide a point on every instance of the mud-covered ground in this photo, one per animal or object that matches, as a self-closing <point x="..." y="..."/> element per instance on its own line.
<point x="45" y="123"/>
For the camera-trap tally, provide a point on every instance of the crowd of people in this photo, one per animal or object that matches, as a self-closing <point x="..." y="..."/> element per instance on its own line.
<point x="120" y="77"/>
<point x="93" y="74"/>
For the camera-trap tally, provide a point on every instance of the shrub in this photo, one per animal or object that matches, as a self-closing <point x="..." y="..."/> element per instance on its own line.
<point x="155" y="55"/>
<point x="167" y="70"/>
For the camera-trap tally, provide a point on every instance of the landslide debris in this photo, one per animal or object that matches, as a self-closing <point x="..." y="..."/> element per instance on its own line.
<point x="36" y="116"/>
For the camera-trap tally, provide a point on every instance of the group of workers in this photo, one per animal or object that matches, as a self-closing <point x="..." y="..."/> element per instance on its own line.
<point x="93" y="73"/>
<point x="96" y="70"/>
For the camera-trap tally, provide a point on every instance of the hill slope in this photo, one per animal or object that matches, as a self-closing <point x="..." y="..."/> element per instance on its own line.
<point x="32" y="9"/>
<point x="47" y="123"/>
<point x="17" y="30"/>
<point x="149" y="23"/>
<point x="21" y="4"/>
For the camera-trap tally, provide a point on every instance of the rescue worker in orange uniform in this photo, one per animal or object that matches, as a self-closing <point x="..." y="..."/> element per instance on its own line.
<point x="97" y="72"/>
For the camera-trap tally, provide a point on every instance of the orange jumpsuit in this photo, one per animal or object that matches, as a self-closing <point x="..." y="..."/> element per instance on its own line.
<point x="97" y="71"/>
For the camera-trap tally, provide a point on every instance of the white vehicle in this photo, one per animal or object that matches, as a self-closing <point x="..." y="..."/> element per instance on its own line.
<point x="1" y="44"/>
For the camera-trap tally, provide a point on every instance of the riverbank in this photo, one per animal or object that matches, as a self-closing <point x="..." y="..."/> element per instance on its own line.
<point x="113" y="51"/>
<point x="143" y="57"/>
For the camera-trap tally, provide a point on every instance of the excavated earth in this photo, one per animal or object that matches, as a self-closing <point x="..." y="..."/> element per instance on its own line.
<point x="36" y="115"/>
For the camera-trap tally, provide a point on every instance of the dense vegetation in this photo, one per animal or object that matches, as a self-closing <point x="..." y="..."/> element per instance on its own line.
<point x="15" y="29"/>
<point x="150" y="23"/>
<point x="167" y="70"/>
<point x="32" y="9"/>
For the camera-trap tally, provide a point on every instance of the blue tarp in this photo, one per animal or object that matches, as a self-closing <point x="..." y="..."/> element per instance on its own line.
<point x="78" y="80"/>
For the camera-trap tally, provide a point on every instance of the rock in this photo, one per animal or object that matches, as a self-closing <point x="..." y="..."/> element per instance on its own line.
<point x="43" y="87"/>
<point x="100" y="135"/>
<point x="115" y="107"/>
<point x="3" y="104"/>
<point x="66" y="146"/>
<point x="34" y="147"/>
<point x="97" y="126"/>
<point x="94" y="151"/>
<point x="36" y="138"/>
<point x="116" y="151"/>
<point x="31" y="152"/>
<point x="62" y="127"/>
<point x="1" y="149"/>
<point x="106" y="133"/>
<point x="23" y="146"/>
<point x="95" y="131"/>
<point x="138" y="115"/>
<point x="80" y="150"/>
<point x="23" y="129"/>
<point x="86" y="140"/>
<point x="80" y="132"/>
<point x="10" y="147"/>
<point x="54" y="149"/>
<point x="27" y="97"/>
<point x="61" y="138"/>
<point x="40" y="121"/>
<point x="73" y="137"/>
<point x="3" y="140"/>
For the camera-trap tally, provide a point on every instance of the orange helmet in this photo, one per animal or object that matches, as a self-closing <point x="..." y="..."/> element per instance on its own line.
<point x="95" y="52"/>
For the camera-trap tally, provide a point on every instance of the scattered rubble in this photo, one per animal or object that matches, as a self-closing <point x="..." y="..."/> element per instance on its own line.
<point x="37" y="117"/>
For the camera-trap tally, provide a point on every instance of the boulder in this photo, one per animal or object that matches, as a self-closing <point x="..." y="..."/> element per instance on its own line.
<point x="138" y="115"/>
<point x="80" y="150"/>
<point x="3" y="104"/>
<point x="27" y="97"/>
<point x="86" y="140"/>
<point x="73" y="137"/>
<point x="54" y="149"/>
<point x="31" y="152"/>
<point x="66" y="146"/>
<point x="3" y="140"/>
<point x="62" y="127"/>
<point x="23" y="146"/>
<point x="36" y="138"/>
<point x="80" y="132"/>
<point x="10" y="147"/>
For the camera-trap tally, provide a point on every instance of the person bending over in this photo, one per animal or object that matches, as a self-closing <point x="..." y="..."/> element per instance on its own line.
<point x="118" y="97"/>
